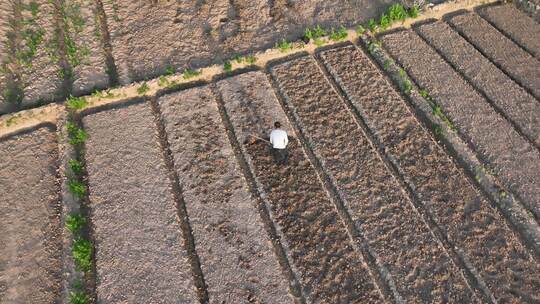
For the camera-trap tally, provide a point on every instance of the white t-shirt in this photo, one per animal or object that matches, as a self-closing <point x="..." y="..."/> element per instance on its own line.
<point x="279" y="139"/>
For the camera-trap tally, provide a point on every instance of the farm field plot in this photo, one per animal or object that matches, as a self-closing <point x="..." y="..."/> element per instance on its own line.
<point x="515" y="61"/>
<point x="229" y="234"/>
<point x="140" y="255"/>
<point x="464" y="215"/>
<point x="320" y="249"/>
<point x="516" y="24"/>
<point x="492" y="136"/>
<point x="149" y="36"/>
<point x="30" y="250"/>
<point x="521" y="108"/>
<point x="402" y="242"/>
<point x="84" y="48"/>
<point x="413" y="173"/>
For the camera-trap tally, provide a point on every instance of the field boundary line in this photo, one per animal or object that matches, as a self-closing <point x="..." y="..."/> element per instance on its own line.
<point x="262" y="205"/>
<point x="449" y="16"/>
<point x="480" y="91"/>
<point x="382" y="277"/>
<point x="106" y="44"/>
<point x="180" y="204"/>
<point x="462" y="155"/>
<point x="469" y="272"/>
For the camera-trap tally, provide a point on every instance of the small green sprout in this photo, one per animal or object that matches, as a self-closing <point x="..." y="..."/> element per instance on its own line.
<point x="188" y="74"/>
<point x="82" y="254"/>
<point x="339" y="35"/>
<point x="227" y="66"/>
<point x="360" y="30"/>
<point x="78" y="297"/>
<point x="170" y="71"/>
<point x="75" y="222"/>
<point x="76" y="135"/>
<point x="76" y="166"/>
<point x="163" y="81"/>
<point x="143" y="89"/>
<point x="284" y="46"/>
<point x="77" y="188"/>
<point x="251" y="59"/>
<point x="76" y="103"/>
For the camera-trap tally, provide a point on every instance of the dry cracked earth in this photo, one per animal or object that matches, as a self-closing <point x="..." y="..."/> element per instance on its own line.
<point x="383" y="198"/>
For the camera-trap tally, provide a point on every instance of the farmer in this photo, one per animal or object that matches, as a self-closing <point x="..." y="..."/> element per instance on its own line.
<point x="279" y="141"/>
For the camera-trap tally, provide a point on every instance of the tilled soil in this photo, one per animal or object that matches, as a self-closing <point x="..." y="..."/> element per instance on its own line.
<point x="516" y="162"/>
<point x="516" y="24"/>
<point x="149" y="36"/>
<point x="317" y="242"/>
<point x="402" y="242"/>
<point x="467" y="219"/>
<point x="498" y="48"/>
<point x="520" y="107"/>
<point x="237" y="260"/>
<point x="90" y="73"/>
<point x="140" y="256"/>
<point x="42" y="77"/>
<point x="30" y="229"/>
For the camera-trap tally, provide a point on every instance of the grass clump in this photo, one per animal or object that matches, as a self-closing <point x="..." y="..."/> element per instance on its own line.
<point x="339" y="35"/>
<point x="103" y="94"/>
<point x="77" y="188"/>
<point x="143" y="89"/>
<point x="78" y="297"/>
<point x="238" y="59"/>
<point x="163" y="81"/>
<point x="360" y="29"/>
<point x="188" y="74"/>
<point x="227" y="66"/>
<point x="75" y="222"/>
<point x="284" y="46"/>
<point x="76" y="166"/>
<point x="396" y="13"/>
<point x="251" y="59"/>
<point x="76" y="135"/>
<point x="76" y="103"/>
<point x="170" y="71"/>
<point x="82" y="254"/>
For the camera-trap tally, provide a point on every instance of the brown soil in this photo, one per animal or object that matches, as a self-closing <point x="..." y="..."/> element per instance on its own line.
<point x="140" y="255"/>
<point x="91" y="73"/>
<point x="512" y="59"/>
<point x="515" y="24"/>
<point x="321" y="251"/>
<point x="521" y="108"/>
<point x="237" y="259"/>
<point x="148" y="36"/>
<point x="516" y="162"/>
<point x="30" y="250"/>
<point x="402" y="242"/>
<point x="467" y="219"/>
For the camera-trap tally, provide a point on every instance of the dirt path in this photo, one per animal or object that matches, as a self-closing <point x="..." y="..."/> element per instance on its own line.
<point x="140" y="254"/>
<point x="402" y="242"/>
<point x="516" y="162"/>
<point x="511" y="100"/>
<point x="519" y="65"/>
<point x="237" y="257"/>
<point x="515" y="24"/>
<point x="468" y="220"/>
<point x="317" y="242"/>
<point x="30" y="250"/>
<point x="88" y="59"/>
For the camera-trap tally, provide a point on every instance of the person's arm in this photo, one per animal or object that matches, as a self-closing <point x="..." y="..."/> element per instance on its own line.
<point x="286" y="139"/>
<point x="272" y="137"/>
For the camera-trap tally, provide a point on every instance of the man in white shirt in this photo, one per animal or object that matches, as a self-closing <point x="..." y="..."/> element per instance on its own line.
<point x="279" y="141"/>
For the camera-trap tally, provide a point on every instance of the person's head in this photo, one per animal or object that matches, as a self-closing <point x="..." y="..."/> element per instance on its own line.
<point x="277" y="125"/>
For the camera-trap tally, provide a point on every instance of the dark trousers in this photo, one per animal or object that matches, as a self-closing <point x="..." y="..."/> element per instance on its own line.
<point x="280" y="156"/>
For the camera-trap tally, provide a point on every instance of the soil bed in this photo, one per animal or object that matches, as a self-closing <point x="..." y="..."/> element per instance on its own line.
<point x="468" y="220"/>
<point x="140" y="255"/>
<point x="90" y="73"/>
<point x="30" y="230"/>
<point x="237" y="260"/>
<point x="520" y="65"/>
<point x="317" y="242"/>
<point x="149" y="36"/>
<point x="402" y="242"/>
<point x="521" y="108"/>
<point x="515" y="24"/>
<point x="44" y="81"/>
<point x="516" y="162"/>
